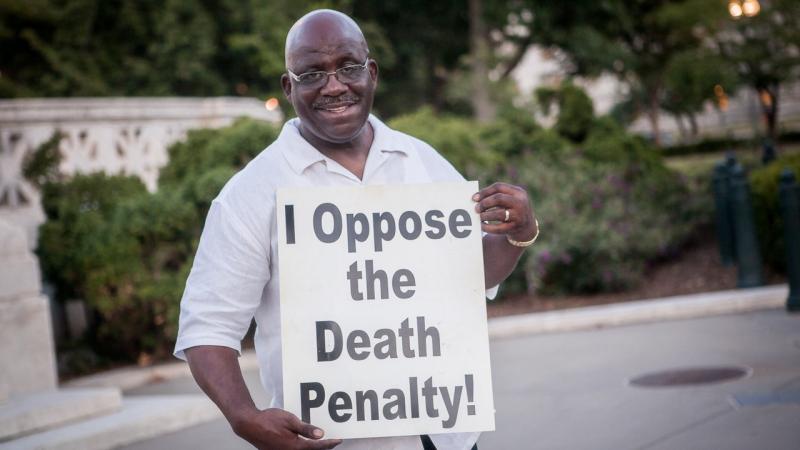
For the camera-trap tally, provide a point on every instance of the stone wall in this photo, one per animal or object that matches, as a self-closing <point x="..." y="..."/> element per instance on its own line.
<point x="27" y="361"/>
<point x="113" y="135"/>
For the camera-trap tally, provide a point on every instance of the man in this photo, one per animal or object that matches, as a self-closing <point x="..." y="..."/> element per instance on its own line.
<point x="330" y="82"/>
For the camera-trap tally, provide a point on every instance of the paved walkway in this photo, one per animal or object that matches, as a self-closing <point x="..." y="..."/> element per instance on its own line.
<point x="570" y="390"/>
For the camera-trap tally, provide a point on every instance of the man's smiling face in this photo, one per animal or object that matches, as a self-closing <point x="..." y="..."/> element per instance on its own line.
<point x="335" y="112"/>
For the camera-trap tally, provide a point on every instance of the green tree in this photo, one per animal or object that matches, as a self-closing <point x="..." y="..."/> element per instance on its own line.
<point x="428" y="40"/>
<point x="690" y="80"/>
<point x="575" y="109"/>
<point x="765" y="49"/>
<point x="634" y="40"/>
<point x="131" y="47"/>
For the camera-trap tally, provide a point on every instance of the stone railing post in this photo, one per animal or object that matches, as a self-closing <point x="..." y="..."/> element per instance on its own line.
<point x="27" y="356"/>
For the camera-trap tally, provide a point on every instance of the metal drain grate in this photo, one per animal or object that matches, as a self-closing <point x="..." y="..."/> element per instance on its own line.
<point x="689" y="376"/>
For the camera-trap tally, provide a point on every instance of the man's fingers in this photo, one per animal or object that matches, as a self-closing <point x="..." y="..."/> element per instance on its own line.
<point x="495" y="188"/>
<point x="309" y="436"/>
<point x="497" y="214"/>
<point x="319" y="444"/>
<point x="497" y="200"/>
<point x="304" y="429"/>
<point x="499" y="228"/>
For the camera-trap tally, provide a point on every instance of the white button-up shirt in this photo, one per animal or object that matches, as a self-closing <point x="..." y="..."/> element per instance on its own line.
<point x="234" y="277"/>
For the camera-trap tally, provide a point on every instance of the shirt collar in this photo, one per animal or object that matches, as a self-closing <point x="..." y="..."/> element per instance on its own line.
<point x="300" y="154"/>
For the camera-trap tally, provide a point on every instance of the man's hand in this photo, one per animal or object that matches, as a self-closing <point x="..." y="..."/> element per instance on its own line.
<point x="217" y="372"/>
<point x="509" y="207"/>
<point x="278" y="429"/>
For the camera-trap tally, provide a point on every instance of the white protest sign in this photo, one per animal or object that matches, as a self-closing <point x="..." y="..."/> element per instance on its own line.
<point x="383" y="310"/>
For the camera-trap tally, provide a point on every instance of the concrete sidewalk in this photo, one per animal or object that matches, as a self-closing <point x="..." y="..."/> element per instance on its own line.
<point x="561" y="378"/>
<point x="571" y="390"/>
<point x="590" y="317"/>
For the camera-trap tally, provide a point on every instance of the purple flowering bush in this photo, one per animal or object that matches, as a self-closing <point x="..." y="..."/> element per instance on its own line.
<point x="601" y="223"/>
<point x="607" y="205"/>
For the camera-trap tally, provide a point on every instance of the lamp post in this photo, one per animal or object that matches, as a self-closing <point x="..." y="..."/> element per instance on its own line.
<point x="747" y="8"/>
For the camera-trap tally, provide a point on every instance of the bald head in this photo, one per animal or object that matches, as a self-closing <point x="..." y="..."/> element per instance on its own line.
<point x="319" y="31"/>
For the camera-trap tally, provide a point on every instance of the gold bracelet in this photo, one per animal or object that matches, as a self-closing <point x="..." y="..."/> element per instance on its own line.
<point x="523" y="244"/>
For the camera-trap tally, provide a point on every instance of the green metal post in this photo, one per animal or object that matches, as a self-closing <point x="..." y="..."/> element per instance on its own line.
<point x="790" y="207"/>
<point x="730" y="164"/>
<point x="748" y="254"/>
<point x="722" y="202"/>
<point x="768" y="154"/>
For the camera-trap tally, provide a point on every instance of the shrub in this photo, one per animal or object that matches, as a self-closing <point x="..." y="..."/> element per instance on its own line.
<point x="607" y="206"/>
<point x="71" y="242"/>
<point x="41" y="165"/>
<point x="765" y="184"/>
<point x="708" y="145"/>
<point x="459" y="140"/>
<point x="127" y="252"/>
<point x="607" y="142"/>
<point x="207" y="149"/>
<point x="137" y="295"/>
<point x="512" y="133"/>
<point x="575" y="109"/>
<point x="600" y="223"/>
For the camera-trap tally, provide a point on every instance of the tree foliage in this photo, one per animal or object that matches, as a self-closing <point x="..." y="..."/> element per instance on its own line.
<point x="131" y="47"/>
<point x="692" y="78"/>
<point x="634" y="40"/>
<point x="127" y="252"/>
<point x="575" y="109"/>
<point x="765" y="50"/>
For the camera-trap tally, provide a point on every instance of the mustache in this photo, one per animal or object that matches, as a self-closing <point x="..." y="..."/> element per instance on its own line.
<point x="344" y="98"/>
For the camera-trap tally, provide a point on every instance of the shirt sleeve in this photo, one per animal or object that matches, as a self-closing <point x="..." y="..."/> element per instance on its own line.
<point x="225" y="285"/>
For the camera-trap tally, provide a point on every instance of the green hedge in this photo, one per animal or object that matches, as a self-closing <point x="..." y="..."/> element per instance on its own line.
<point x="716" y="145"/>
<point x="606" y="209"/>
<point x="127" y="252"/>
<point x="764" y="185"/>
<point x="606" y="203"/>
<point x="458" y="139"/>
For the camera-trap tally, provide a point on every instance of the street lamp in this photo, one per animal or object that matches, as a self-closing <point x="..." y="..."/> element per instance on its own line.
<point x="751" y="7"/>
<point x="739" y="8"/>
<point x="735" y="9"/>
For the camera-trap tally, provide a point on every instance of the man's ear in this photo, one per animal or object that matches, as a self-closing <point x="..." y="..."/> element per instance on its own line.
<point x="286" y="84"/>
<point x="373" y="70"/>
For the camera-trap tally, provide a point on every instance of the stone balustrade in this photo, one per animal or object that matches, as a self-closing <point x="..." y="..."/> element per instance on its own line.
<point x="112" y="135"/>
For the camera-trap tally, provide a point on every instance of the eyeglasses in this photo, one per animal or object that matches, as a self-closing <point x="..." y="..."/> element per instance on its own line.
<point x="347" y="74"/>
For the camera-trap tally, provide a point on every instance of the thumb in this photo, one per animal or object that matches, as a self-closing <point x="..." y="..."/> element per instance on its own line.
<point x="305" y="429"/>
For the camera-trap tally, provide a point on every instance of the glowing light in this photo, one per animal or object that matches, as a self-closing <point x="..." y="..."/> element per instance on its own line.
<point x="722" y="97"/>
<point x="766" y="100"/>
<point x="751" y="7"/>
<point x="735" y="9"/>
<point x="271" y="104"/>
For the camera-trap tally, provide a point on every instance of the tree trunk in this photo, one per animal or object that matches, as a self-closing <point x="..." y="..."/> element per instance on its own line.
<point x="435" y="85"/>
<point x="693" y="124"/>
<point x="681" y="128"/>
<point x="482" y="106"/>
<point x="652" y="114"/>
<point x="768" y="97"/>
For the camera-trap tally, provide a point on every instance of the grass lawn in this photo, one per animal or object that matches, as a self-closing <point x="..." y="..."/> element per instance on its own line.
<point x="703" y="164"/>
